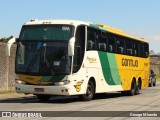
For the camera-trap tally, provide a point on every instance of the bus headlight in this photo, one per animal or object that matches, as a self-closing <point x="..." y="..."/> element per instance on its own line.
<point x="20" y="82"/>
<point x="64" y="82"/>
<point x="17" y="80"/>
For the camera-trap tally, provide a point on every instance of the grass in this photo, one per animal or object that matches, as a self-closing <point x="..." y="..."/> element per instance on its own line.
<point x="7" y="91"/>
<point x="158" y="76"/>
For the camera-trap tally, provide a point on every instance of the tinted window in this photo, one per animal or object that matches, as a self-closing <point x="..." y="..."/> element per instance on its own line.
<point x="136" y="48"/>
<point x="102" y="41"/>
<point x="120" y="45"/>
<point x="79" y="48"/>
<point x="92" y="37"/>
<point x="129" y="50"/>
<point x="144" y="50"/>
<point x="111" y="43"/>
<point x="46" y="32"/>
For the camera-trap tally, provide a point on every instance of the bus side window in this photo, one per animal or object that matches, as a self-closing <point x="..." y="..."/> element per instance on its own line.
<point x="111" y="43"/>
<point x="102" y="41"/>
<point x="147" y="49"/>
<point x="90" y="44"/>
<point x="102" y="46"/>
<point x="77" y="55"/>
<point x="136" y="49"/>
<point x="141" y="50"/>
<point x="120" y="45"/>
<point x="129" y="50"/>
<point x="91" y="39"/>
<point x="110" y="48"/>
<point x="79" y="48"/>
<point x="144" y="50"/>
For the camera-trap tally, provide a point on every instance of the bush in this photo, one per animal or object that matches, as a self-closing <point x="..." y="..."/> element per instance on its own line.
<point x="158" y="76"/>
<point x="5" y="39"/>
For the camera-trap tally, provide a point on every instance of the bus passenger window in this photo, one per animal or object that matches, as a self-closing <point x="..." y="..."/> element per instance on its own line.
<point x="111" y="43"/>
<point x="146" y="54"/>
<point x="91" y="39"/>
<point x="110" y="48"/>
<point x="120" y="45"/>
<point x="120" y="50"/>
<point x="90" y="45"/>
<point x="129" y="47"/>
<point x="129" y="51"/>
<point x="135" y="52"/>
<point x="102" y="41"/>
<point x="146" y="50"/>
<point x="102" y="46"/>
<point x="136" y="49"/>
<point x="79" y="48"/>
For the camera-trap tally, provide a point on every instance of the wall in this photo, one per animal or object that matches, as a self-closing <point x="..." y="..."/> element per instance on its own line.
<point x="7" y="68"/>
<point x="156" y="68"/>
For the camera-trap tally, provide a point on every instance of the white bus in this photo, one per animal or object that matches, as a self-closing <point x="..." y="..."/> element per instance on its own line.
<point x="68" y="57"/>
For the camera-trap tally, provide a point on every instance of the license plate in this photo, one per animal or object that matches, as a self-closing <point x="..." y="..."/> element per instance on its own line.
<point x="39" y="89"/>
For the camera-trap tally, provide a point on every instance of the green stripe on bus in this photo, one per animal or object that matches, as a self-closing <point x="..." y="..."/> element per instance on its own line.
<point x="114" y="68"/>
<point x="52" y="78"/>
<point x="97" y="27"/>
<point x="109" y="68"/>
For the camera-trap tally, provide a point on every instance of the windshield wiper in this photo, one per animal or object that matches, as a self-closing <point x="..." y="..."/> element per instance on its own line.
<point x="46" y="60"/>
<point x="48" y="65"/>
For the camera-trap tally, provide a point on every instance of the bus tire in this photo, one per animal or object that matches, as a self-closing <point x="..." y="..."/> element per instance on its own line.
<point x="89" y="92"/>
<point x="132" y="91"/>
<point x="137" y="90"/>
<point x="43" y="98"/>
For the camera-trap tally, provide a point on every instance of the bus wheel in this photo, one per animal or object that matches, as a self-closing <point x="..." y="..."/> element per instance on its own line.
<point x="43" y="98"/>
<point x="89" y="93"/>
<point x="137" y="90"/>
<point x="132" y="91"/>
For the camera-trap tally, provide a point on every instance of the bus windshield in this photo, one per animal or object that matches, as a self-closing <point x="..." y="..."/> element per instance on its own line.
<point x="46" y="32"/>
<point x="44" y="58"/>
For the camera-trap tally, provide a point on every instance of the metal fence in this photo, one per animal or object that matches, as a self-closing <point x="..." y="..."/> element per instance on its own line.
<point x="7" y="68"/>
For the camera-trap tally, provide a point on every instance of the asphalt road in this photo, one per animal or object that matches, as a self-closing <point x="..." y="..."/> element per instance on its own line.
<point x="111" y="106"/>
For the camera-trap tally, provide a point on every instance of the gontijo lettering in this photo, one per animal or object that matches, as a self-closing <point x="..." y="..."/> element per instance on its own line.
<point x="129" y="62"/>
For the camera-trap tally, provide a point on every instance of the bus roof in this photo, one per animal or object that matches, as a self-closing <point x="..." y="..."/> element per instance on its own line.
<point x="76" y="23"/>
<point x="119" y="32"/>
<point x="40" y="22"/>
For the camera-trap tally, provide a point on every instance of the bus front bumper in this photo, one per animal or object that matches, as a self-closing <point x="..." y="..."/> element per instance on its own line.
<point x="37" y="89"/>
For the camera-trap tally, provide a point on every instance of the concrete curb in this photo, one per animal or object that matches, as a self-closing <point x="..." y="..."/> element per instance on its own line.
<point x="14" y="95"/>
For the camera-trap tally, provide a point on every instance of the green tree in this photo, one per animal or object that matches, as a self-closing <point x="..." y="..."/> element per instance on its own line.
<point x="5" y="39"/>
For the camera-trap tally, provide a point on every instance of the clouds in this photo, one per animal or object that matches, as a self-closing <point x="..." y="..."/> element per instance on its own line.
<point x="144" y="33"/>
<point x="153" y="37"/>
<point x="154" y="41"/>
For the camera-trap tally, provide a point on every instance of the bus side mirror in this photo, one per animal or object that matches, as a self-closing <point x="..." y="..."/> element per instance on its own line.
<point x="8" y="46"/>
<point x="71" y="46"/>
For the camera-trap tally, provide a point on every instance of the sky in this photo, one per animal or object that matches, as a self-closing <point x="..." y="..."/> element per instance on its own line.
<point x="140" y="18"/>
